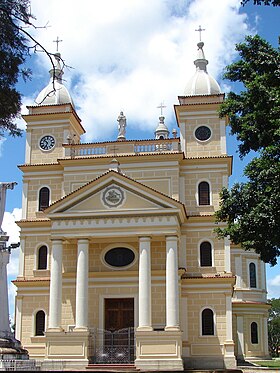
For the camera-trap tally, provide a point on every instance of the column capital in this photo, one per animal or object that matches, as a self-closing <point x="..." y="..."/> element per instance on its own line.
<point x="145" y="238"/>
<point x="57" y="240"/>
<point x="172" y="237"/>
<point x="83" y="240"/>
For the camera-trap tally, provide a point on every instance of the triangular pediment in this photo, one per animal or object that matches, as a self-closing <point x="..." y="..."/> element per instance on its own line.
<point x="113" y="194"/>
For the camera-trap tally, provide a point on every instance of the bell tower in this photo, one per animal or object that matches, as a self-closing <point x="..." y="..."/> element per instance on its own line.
<point x="52" y="121"/>
<point x="203" y="133"/>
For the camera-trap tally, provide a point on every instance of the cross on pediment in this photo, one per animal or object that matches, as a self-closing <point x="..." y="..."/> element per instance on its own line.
<point x="114" y="149"/>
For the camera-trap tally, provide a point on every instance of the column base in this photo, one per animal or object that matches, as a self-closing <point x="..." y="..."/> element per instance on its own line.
<point x="144" y="328"/>
<point x="68" y="345"/>
<point x="172" y="328"/>
<point x="80" y="329"/>
<point x="159" y="350"/>
<point x="229" y="358"/>
<point x="58" y="329"/>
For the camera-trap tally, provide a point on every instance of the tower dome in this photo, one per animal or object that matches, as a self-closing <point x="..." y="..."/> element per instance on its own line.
<point x="161" y="131"/>
<point x="55" y="92"/>
<point x="201" y="82"/>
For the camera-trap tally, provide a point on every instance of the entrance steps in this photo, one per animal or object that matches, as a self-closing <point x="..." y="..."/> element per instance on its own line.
<point x="127" y="368"/>
<point x="111" y="368"/>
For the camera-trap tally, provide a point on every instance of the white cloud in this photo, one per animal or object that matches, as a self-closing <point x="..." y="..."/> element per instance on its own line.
<point x="273" y="286"/>
<point x="130" y="54"/>
<point x="2" y="140"/>
<point x="275" y="281"/>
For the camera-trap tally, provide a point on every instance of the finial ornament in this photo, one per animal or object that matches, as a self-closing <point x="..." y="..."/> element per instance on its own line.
<point x="57" y="41"/>
<point x="161" y="106"/>
<point x="200" y="31"/>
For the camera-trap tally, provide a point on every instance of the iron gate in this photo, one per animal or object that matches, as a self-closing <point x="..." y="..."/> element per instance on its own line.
<point x="113" y="347"/>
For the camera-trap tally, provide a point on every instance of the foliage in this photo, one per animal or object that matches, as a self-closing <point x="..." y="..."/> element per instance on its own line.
<point x="13" y="52"/>
<point x="15" y="46"/>
<point x="262" y="2"/>
<point x="274" y="327"/>
<point x="252" y="209"/>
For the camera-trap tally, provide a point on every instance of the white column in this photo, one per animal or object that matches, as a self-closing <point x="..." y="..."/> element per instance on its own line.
<point x="229" y="318"/>
<point x="240" y="336"/>
<point x="227" y="255"/>
<point x="145" y="306"/>
<point x="21" y="257"/>
<point x="265" y="336"/>
<point x="172" y="290"/>
<point x="28" y="147"/>
<point x="238" y="271"/>
<point x="18" y="320"/>
<point x="263" y="275"/>
<point x="4" y="306"/>
<point x="82" y="285"/>
<point x="56" y="285"/>
<point x="24" y="202"/>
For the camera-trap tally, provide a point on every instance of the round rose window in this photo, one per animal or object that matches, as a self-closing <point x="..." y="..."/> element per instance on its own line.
<point x="203" y="133"/>
<point x="119" y="257"/>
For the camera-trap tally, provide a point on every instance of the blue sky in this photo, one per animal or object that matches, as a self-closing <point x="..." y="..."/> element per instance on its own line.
<point x="131" y="55"/>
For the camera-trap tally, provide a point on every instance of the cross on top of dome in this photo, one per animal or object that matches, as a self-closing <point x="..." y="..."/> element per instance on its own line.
<point x="57" y="41"/>
<point x="200" y="31"/>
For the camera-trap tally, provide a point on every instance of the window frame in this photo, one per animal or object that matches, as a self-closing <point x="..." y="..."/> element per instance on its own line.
<point x="254" y="334"/>
<point x="254" y="261"/>
<point x="211" y="253"/>
<point x="36" y="325"/>
<point x="202" y="141"/>
<point x="41" y="209"/>
<point x="38" y="257"/>
<point x="197" y="194"/>
<point x="213" y="319"/>
<point x="116" y="245"/>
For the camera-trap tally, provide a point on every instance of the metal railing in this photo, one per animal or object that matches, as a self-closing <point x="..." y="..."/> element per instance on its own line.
<point x="113" y="347"/>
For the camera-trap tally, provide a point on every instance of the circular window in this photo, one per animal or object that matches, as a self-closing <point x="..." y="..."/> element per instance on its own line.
<point x="203" y="133"/>
<point x="119" y="257"/>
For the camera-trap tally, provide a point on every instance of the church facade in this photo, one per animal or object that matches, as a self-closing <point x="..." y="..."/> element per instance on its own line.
<point x="119" y="262"/>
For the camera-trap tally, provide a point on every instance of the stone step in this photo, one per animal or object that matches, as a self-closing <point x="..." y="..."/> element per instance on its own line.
<point x="131" y="368"/>
<point x="111" y="368"/>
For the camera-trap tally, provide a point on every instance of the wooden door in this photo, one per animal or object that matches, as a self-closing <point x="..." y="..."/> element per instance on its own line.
<point x="119" y="313"/>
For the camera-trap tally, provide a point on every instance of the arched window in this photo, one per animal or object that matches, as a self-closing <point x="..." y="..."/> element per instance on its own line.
<point x="253" y="277"/>
<point x="254" y="333"/>
<point x="44" y="198"/>
<point x="203" y="193"/>
<point x="40" y="323"/>
<point x="207" y="320"/>
<point x="42" y="257"/>
<point x="205" y="254"/>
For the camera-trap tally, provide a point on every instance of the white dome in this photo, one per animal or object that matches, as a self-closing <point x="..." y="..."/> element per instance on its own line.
<point x="201" y="82"/>
<point x="55" y="92"/>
